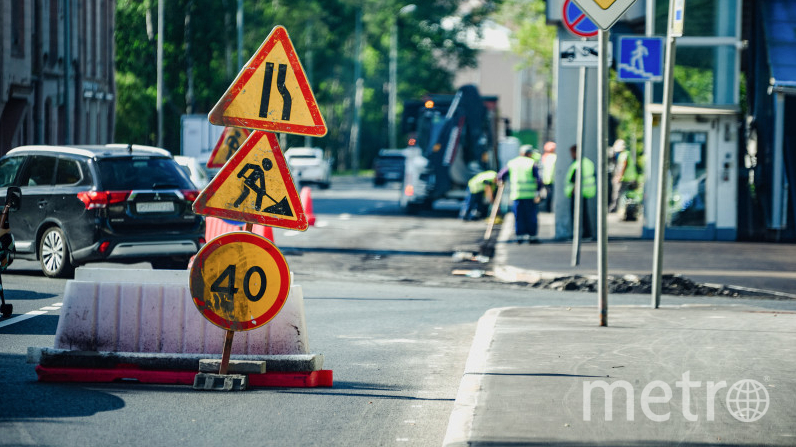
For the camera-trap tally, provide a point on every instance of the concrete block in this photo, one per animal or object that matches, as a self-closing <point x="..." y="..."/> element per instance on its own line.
<point x="161" y="277"/>
<point x="234" y="367"/>
<point x="64" y="358"/>
<point x="108" y="310"/>
<point x="218" y="382"/>
<point x="287" y="332"/>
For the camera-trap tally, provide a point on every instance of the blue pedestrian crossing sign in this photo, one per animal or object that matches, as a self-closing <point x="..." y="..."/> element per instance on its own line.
<point x="640" y="59"/>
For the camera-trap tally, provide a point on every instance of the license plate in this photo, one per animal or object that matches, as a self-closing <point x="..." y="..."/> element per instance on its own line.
<point x="154" y="207"/>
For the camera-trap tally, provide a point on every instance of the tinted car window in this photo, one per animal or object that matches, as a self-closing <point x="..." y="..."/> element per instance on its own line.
<point x="68" y="172"/>
<point x="8" y="170"/>
<point x="129" y="173"/>
<point x="39" y="171"/>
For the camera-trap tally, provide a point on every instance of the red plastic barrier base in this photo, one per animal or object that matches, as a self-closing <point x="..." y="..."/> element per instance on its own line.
<point x="322" y="378"/>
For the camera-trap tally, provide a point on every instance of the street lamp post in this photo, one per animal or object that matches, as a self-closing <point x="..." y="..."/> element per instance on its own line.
<point x="408" y="9"/>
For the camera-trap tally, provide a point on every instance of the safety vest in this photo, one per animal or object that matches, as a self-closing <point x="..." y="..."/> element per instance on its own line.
<point x="630" y="173"/>
<point x="548" y="168"/>
<point x="523" y="182"/>
<point x="589" y="181"/>
<point x="477" y="183"/>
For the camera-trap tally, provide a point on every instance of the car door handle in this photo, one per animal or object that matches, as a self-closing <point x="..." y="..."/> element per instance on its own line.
<point x="42" y="203"/>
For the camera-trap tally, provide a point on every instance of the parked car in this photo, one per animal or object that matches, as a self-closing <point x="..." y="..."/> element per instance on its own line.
<point x="118" y="203"/>
<point x="389" y="166"/>
<point x="195" y="169"/>
<point x="307" y="165"/>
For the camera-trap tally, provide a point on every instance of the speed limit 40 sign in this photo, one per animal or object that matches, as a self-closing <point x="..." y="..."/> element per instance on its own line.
<point x="239" y="281"/>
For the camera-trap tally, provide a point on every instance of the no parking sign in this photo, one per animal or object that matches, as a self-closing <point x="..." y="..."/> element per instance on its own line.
<point x="577" y="22"/>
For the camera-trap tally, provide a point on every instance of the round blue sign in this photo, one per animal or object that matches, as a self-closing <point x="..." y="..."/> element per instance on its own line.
<point x="577" y="22"/>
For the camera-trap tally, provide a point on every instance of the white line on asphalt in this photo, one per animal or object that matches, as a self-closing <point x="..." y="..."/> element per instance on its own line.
<point x="31" y="314"/>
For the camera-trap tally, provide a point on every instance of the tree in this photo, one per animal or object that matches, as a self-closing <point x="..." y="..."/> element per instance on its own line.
<point x="198" y="55"/>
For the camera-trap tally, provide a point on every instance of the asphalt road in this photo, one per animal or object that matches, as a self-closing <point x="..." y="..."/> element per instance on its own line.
<point x="382" y="306"/>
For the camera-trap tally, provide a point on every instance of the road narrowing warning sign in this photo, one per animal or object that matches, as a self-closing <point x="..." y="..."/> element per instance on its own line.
<point x="271" y="93"/>
<point x="255" y="186"/>
<point x="231" y="139"/>
<point x="239" y="281"/>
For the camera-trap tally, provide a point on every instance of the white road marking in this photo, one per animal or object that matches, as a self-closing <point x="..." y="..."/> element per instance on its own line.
<point x="31" y="314"/>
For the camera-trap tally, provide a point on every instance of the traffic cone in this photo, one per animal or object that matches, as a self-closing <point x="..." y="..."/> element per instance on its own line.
<point x="266" y="232"/>
<point x="306" y="202"/>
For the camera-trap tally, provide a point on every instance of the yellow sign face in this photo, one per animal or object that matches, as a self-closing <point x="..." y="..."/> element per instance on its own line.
<point x="229" y="142"/>
<point x="604" y="4"/>
<point x="255" y="186"/>
<point x="271" y="93"/>
<point x="239" y="281"/>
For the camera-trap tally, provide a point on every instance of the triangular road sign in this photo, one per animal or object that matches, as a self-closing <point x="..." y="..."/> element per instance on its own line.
<point x="229" y="142"/>
<point x="271" y="93"/>
<point x="255" y="186"/>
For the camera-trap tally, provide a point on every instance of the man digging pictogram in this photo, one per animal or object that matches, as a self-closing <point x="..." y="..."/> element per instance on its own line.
<point x="255" y="182"/>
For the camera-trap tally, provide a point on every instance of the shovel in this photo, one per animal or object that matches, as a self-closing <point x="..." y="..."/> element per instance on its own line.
<point x="487" y="248"/>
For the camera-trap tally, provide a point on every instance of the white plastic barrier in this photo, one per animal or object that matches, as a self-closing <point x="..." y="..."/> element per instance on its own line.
<point x="129" y="310"/>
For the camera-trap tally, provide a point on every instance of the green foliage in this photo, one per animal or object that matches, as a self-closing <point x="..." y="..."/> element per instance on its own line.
<point x="534" y="38"/>
<point x="134" y="110"/>
<point x="201" y="39"/>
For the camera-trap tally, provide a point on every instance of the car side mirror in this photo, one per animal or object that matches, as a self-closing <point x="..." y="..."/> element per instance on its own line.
<point x="14" y="197"/>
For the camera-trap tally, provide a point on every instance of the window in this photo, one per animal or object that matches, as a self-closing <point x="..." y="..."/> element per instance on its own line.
<point x="18" y="29"/>
<point x="688" y="175"/>
<point x="39" y="171"/>
<point x="703" y="18"/>
<point x="8" y="170"/>
<point x="53" y="32"/>
<point x="68" y="172"/>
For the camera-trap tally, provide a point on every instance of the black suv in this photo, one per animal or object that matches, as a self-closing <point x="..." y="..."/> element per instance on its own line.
<point x="389" y="166"/>
<point x="117" y="203"/>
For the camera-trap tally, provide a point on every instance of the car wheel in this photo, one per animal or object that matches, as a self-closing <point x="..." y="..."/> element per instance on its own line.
<point x="170" y="264"/>
<point x="378" y="181"/>
<point x="324" y="185"/>
<point x="54" y="254"/>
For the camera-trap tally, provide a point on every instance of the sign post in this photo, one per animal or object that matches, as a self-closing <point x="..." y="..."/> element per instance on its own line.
<point x="674" y="30"/>
<point x="240" y="281"/>
<point x="604" y="13"/>
<point x="602" y="178"/>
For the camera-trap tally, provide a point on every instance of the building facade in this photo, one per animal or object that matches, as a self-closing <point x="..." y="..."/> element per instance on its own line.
<point x="56" y="72"/>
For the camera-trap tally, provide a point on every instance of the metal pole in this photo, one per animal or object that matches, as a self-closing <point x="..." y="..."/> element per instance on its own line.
<point x="68" y="72"/>
<point x="393" y="82"/>
<point x="309" y="62"/>
<point x="578" y="193"/>
<point x="663" y="163"/>
<point x="239" y="19"/>
<point x="159" y="99"/>
<point x="358" y="87"/>
<point x="602" y="177"/>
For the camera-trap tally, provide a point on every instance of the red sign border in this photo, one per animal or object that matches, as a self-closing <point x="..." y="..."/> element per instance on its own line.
<point x="200" y="204"/>
<point x="197" y="277"/>
<point x="220" y="143"/>
<point x="278" y="34"/>
<point x="571" y="27"/>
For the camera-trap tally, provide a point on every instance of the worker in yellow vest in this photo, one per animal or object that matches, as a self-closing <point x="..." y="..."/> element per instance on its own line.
<point x="588" y="189"/>
<point x="548" y="175"/>
<point x="479" y="195"/>
<point x="523" y="175"/>
<point x="625" y="174"/>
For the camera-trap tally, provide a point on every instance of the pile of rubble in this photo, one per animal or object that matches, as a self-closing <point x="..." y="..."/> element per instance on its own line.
<point x="670" y="285"/>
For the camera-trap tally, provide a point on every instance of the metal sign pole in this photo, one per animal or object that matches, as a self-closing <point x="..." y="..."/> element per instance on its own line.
<point x="602" y="177"/>
<point x="663" y="161"/>
<point x="578" y="193"/>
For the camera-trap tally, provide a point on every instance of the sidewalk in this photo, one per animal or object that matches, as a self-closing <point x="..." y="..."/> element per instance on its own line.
<point x="534" y="377"/>
<point x="679" y="375"/>
<point x="754" y="265"/>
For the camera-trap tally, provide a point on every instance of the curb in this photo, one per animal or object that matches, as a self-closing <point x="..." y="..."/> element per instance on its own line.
<point x="461" y="420"/>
